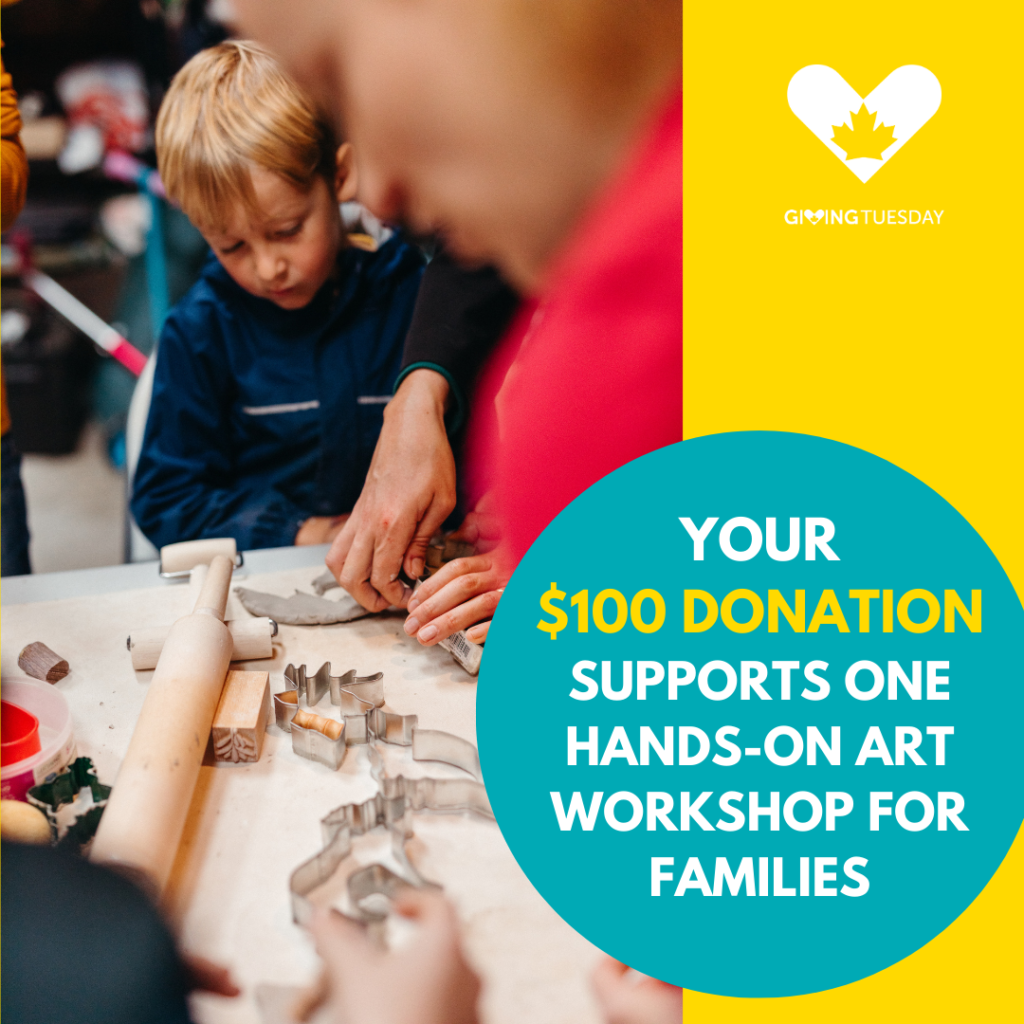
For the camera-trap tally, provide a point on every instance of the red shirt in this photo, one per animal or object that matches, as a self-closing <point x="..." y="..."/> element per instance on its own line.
<point x="595" y="364"/>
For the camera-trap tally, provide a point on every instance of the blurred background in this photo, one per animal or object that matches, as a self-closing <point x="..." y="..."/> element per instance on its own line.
<point x="90" y="75"/>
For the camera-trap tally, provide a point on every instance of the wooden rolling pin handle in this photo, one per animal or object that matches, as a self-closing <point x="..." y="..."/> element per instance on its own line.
<point x="251" y="640"/>
<point x="187" y="554"/>
<point x="213" y="598"/>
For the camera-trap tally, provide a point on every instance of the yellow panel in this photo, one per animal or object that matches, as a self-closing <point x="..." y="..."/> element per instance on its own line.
<point x="904" y="340"/>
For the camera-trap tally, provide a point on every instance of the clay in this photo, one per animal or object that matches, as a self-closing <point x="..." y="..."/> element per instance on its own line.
<point x="301" y="609"/>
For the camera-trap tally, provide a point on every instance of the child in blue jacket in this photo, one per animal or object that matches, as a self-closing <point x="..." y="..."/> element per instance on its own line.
<point x="273" y="371"/>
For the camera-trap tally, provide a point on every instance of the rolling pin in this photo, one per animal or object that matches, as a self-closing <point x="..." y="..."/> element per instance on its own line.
<point x="187" y="554"/>
<point x="144" y="819"/>
<point x="251" y="639"/>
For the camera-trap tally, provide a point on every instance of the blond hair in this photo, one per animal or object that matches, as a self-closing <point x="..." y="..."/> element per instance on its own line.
<point x="229" y="109"/>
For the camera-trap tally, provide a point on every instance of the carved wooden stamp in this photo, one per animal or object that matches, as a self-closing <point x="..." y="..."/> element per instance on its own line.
<point x="240" y="721"/>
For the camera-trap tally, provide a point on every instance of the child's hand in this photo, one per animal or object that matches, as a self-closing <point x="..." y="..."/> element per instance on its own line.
<point x="426" y="982"/>
<point x="626" y="999"/>
<point x="320" y="529"/>
<point x="204" y="975"/>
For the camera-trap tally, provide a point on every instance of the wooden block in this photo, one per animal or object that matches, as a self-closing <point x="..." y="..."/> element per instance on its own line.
<point x="240" y="721"/>
<point x="38" y="661"/>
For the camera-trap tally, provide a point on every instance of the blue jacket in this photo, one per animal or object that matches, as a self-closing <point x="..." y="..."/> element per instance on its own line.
<point x="262" y="417"/>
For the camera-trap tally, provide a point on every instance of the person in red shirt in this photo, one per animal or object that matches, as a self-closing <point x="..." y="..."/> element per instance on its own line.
<point x="545" y="138"/>
<point x="588" y="378"/>
<point x="550" y="145"/>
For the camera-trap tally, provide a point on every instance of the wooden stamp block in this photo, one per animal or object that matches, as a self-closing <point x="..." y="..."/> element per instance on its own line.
<point x="38" y="661"/>
<point x="240" y="722"/>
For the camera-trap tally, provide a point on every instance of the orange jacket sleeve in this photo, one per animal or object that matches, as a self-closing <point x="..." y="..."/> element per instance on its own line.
<point x="14" y="170"/>
<point x="13" y="179"/>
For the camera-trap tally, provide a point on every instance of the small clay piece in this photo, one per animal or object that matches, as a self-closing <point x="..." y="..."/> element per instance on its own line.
<point x="23" y="823"/>
<point x="324" y="582"/>
<point x="328" y="726"/>
<point x="38" y="661"/>
<point x="240" y="721"/>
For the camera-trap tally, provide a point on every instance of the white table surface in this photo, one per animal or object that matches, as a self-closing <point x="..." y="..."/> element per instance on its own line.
<point x="250" y="825"/>
<point x="110" y="579"/>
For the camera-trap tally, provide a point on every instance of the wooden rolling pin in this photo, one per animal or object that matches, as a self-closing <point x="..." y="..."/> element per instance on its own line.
<point x="251" y="639"/>
<point x="144" y="819"/>
<point x="187" y="554"/>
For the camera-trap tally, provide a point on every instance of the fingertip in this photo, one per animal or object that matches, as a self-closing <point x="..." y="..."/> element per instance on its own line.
<point x="328" y="926"/>
<point x="607" y="971"/>
<point x="422" y="903"/>
<point x="229" y="987"/>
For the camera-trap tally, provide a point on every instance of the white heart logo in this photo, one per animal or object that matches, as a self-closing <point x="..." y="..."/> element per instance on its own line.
<point x="867" y="133"/>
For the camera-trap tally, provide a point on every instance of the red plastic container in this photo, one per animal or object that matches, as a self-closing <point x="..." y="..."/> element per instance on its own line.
<point x="20" y="733"/>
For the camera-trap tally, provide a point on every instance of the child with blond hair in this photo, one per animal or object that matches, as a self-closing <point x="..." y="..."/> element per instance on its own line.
<point x="273" y="371"/>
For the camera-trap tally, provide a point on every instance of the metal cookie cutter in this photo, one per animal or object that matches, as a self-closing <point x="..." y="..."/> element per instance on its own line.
<point x="319" y="746"/>
<point x="353" y="693"/>
<point x="388" y="808"/>
<point x="375" y="878"/>
<point x="371" y="726"/>
<point x="64" y="789"/>
<point x="357" y="696"/>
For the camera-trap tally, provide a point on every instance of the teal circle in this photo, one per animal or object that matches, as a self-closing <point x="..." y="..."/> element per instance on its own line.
<point x="892" y="532"/>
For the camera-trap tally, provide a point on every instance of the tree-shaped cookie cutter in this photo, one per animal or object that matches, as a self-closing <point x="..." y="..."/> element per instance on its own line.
<point x="389" y="808"/>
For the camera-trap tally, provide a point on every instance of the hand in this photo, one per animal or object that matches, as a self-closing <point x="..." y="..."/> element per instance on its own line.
<point x="204" y="975"/>
<point x="408" y="494"/>
<point x="481" y="527"/>
<point x="631" y="1000"/>
<point x="460" y="595"/>
<point x="320" y="529"/>
<point x="426" y="982"/>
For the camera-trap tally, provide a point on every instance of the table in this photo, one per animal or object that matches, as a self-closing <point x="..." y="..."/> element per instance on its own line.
<point x="250" y="825"/>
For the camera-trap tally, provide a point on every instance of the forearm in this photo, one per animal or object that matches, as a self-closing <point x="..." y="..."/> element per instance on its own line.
<point x="421" y="393"/>
<point x="408" y="493"/>
<point x="460" y="315"/>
